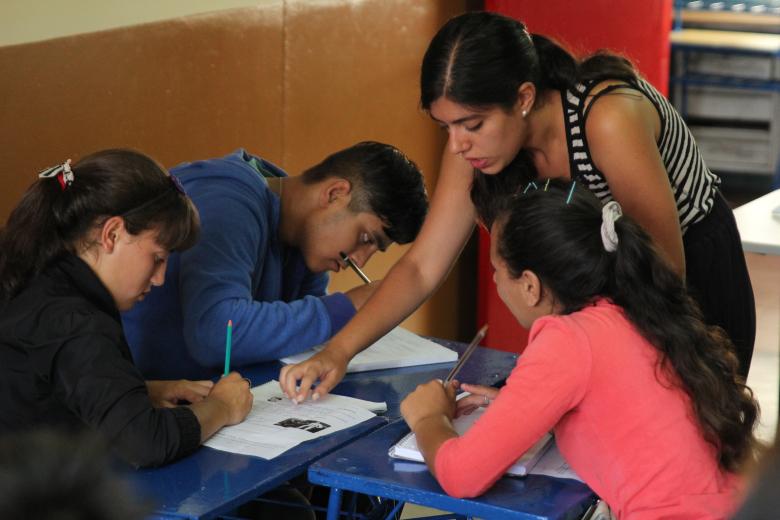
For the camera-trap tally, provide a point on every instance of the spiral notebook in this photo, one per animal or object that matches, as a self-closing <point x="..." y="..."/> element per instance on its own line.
<point x="543" y="458"/>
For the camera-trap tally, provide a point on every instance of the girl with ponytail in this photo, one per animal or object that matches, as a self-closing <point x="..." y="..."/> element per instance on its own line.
<point x="516" y="107"/>
<point x="86" y="242"/>
<point x="644" y="399"/>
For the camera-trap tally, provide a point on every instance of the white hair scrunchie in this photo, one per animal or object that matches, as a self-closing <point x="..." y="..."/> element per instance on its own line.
<point x="609" y="214"/>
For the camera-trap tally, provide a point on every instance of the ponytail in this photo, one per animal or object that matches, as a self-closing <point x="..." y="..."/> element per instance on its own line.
<point x="56" y="217"/>
<point x="31" y="238"/>
<point x="480" y="59"/>
<point x="555" y="231"/>
<point x="701" y="357"/>
<point x="558" y="70"/>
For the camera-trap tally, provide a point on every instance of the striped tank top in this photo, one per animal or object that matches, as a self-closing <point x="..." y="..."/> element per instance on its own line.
<point x="694" y="186"/>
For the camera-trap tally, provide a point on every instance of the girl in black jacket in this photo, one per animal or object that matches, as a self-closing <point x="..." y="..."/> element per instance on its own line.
<point x="86" y="242"/>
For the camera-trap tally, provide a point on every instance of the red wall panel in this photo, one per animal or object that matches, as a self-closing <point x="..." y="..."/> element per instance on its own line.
<point x="638" y="30"/>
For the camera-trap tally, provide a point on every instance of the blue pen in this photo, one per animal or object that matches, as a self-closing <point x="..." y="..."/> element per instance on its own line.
<point x="228" y="342"/>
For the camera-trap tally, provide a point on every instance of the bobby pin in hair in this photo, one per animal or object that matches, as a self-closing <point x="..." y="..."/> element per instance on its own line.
<point x="571" y="191"/>
<point x="528" y="186"/>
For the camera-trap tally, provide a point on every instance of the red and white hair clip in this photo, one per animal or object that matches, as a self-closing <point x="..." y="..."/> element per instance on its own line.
<point x="62" y="172"/>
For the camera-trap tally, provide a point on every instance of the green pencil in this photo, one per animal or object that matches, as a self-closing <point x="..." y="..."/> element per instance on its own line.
<point x="228" y="342"/>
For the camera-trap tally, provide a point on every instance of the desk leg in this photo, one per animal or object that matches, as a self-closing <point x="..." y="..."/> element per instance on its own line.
<point x="334" y="504"/>
<point x="395" y="511"/>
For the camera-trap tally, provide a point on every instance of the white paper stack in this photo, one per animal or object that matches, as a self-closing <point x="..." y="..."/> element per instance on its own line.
<point x="398" y="348"/>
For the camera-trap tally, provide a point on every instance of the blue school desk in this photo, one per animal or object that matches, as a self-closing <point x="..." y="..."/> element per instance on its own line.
<point x="211" y="483"/>
<point x="364" y="467"/>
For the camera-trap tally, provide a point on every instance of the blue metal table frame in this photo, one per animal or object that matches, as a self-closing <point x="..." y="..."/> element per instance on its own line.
<point x="211" y="483"/>
<point x="365" y="467"/>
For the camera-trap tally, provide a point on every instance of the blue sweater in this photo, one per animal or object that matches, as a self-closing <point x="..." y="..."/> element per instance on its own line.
<point x="240" y="271"/>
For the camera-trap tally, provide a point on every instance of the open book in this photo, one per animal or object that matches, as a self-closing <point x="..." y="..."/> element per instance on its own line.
<point x="398" y="348"/>
<point x="543" y="458"/>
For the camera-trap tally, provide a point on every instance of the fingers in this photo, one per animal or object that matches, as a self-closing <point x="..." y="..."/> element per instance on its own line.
<point x="480" y="390"/>
<point x="192" y="393"/>
<point x="233" y="391"/>
<point x="205" y="383"/>
<point x="327" y="382"/>
<point x="286" y="377"/>
<point x="304" y="389"/>
<point x="465" y="410"/>
<point x="296" y="380"/>
<point x="290" y="375"/>
<point x="471" y="401"/>
<point x="451" y="390"/>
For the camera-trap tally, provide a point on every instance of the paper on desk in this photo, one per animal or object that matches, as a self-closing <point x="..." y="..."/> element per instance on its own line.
<point x="276" y="425"/>
<point x="553" y="464"/>
<point x="398" y="348"/>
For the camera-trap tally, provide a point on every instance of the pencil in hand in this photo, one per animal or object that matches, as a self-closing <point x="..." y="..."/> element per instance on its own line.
<point x="228" y="344"/>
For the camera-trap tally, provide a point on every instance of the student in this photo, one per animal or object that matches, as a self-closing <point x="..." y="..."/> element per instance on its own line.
<point x="643" y="397"/>
<point x="267" y="242"/>
<point x="85" y="243"/>
<point x="510" y="100"/>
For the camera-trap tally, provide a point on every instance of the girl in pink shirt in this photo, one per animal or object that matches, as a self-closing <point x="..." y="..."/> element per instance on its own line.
<point x="643" y="397"/>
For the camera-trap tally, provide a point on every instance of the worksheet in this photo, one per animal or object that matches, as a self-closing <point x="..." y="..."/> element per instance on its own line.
<point x="276" y="424"/>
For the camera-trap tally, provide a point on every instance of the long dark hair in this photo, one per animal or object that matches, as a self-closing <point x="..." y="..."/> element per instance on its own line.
<point x="51" y="220"/>
<point x="561" y="243"/>
<point x="480" y="59"/>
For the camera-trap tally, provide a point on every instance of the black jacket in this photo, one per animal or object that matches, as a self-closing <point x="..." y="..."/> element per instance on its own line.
<point x="65" y="364"/>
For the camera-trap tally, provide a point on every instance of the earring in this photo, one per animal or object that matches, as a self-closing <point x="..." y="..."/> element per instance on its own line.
<point x="524" y="112"/>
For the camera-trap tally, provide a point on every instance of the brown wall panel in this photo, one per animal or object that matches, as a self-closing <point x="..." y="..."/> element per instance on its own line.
<point x="178" y="90"/>
<point x="351" y="74"/>
<point x="292" y="80"/>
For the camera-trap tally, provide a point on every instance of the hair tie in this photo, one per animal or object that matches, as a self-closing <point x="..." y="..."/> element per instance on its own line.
<point x="177" y="184"/>
<point x="609" y="214"/>
<point x="62" y="172"/>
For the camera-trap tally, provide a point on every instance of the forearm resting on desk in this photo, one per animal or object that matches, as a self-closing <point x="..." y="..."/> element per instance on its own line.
<point x="431" y="432"/>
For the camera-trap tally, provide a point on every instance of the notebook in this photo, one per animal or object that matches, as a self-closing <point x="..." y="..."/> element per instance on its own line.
<point x="398" y="348"/>
<point x="407" y="449"/>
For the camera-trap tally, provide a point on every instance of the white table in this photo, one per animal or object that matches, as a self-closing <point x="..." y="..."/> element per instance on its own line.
<point x="758" y="227"/>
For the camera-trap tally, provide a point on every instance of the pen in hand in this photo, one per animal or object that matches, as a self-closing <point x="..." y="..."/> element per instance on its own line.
<point x="348" y="261"/>
<point x="466" y="354"/>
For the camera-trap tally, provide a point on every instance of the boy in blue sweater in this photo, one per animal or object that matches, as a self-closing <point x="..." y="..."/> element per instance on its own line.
<point x="267" y="242"/>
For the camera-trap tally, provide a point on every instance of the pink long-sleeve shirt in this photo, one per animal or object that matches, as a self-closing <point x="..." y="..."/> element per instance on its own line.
<point x="619" y="422"/>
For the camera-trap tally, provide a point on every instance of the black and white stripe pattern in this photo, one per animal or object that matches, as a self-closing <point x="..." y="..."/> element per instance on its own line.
<point x="693" y="184"/>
